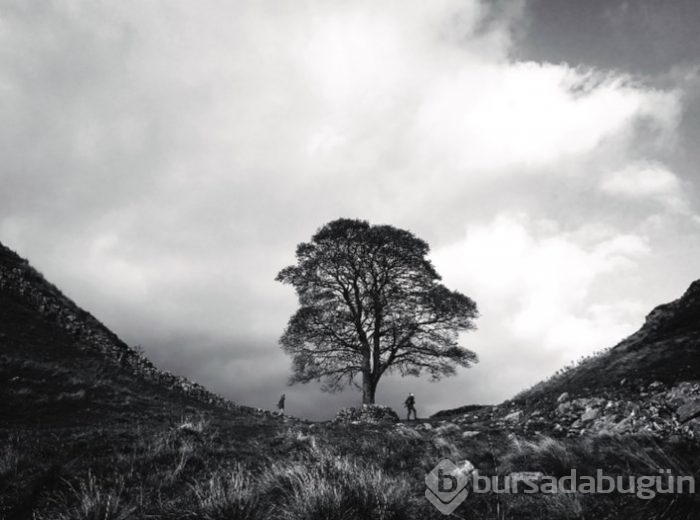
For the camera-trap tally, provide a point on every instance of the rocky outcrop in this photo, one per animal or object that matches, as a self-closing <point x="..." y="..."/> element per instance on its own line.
<point x="24" y="284"/>
<point x="367" y="413"/>
<point x="658" y="410"/>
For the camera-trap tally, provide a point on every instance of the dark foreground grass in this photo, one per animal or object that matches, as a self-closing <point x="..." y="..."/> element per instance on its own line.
<point x="211" y="468"/>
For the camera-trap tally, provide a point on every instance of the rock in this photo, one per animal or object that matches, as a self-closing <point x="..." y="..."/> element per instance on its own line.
<point x="682" y="394"/>
<point x="444" y="444"/>
<point x="406" y="431"/>
<point x="468" y="434"/>
<point x="367" y="414"/>
<point x="591" y="402"/>
<point x="564" y="408"/>
<point x="563" y="397"/>
<point x="447" y="428"/>
<point x="590" y="414"/>
<point x="514" y="416"/>
<point x="78" y="395"/>
<point x="626" y="425"/>
<point x="688" y="411"/>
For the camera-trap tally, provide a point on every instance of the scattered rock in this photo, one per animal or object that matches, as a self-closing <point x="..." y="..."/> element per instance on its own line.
<point x="514" y="416"/>
<point x="447" y="428"/>
<point x="564" y="408"/>
<point x="688" y="411"/>
<point x="367" y="413"/>
<point x="78" y="395"/>
<point x="590" y="414"/>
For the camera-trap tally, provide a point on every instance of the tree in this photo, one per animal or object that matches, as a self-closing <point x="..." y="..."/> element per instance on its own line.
<point x="371" y="303"/>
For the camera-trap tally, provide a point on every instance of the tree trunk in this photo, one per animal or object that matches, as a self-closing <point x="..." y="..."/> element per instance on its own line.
<point x="368" y="388"/>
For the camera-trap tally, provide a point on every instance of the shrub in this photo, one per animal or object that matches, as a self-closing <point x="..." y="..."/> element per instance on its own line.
<point x="551" y="456"/>
<point x="90" y="500"/>
<point x="336" y="487"/>
<point x="228" y="497"/>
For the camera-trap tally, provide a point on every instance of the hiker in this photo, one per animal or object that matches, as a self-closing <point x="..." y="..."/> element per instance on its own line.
<point x="280" y="404"/>
<point x="410" y="404"/>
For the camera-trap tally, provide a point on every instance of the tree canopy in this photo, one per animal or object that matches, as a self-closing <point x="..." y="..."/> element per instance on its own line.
<point x="371" y="302"/>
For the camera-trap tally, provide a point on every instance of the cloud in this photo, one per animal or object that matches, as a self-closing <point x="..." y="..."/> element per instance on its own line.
<point x="538" y="289"/>
<point x="647" y="180"/>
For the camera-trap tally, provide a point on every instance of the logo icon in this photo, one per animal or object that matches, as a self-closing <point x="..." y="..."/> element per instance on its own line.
<point x="448" y="484"/>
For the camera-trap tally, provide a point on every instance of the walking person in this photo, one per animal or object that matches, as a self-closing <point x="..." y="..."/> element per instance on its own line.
<point x="410" y="404"/>
<point x="280" y="404"/>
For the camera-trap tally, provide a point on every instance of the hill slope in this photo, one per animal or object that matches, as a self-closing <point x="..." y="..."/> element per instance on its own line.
<point x="666" y="349"/>
<point x="74" y="398"/>
<point x="54" y="353"/>
<point x="649" y="383"/>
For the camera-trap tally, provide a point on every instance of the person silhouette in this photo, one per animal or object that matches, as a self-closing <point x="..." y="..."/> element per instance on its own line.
<point x="280" y="404"/>
<point x="410" y="404"/>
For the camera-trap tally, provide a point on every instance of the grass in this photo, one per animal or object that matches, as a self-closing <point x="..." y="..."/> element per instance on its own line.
<point x="274" y="471"/>
<point x="90" y="500"/>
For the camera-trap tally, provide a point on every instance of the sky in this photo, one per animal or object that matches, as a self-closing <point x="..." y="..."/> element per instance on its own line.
<point x="162" y="159"/>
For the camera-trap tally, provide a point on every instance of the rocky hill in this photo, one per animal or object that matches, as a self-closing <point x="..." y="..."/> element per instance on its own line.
<point x="665" y="349"/>
<point x="55" y="357"/>
<point x="649" y="383"/>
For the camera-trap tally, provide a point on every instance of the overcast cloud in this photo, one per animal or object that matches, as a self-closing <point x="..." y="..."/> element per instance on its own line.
<point x="161" y="160"/>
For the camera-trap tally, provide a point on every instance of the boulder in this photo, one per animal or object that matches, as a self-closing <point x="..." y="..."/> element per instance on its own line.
<point x="591" y="414"/>
<point x="564" y="408"/>
<point x="514" y="416"/>
<point x="563" y="397"/>
<point x="688" y="411"/>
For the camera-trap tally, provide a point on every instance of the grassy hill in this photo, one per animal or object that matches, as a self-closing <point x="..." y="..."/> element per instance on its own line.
<point x="666" y="349"/>
<point x="92" y="430"/>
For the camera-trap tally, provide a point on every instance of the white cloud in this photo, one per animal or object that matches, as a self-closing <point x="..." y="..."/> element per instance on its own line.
<point x="646" y="180"/>
<point x="537" y="286"/>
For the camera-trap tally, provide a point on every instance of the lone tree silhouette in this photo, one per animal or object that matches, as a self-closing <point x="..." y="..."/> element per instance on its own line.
<point x="371" y="303"/>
